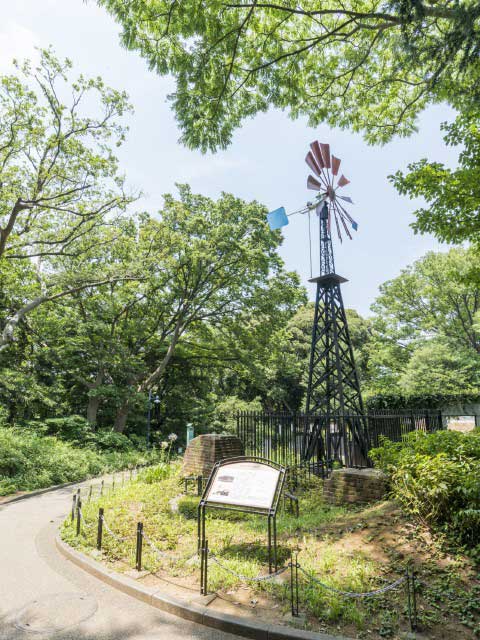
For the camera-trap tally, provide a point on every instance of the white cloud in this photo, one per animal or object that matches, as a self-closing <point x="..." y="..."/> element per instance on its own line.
<point x="16" y="42"/>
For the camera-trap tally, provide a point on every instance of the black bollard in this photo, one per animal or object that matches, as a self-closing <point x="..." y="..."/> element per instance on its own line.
<point x="100" y="529"/>
<point x="74" y="505"/>
<point x="138" y="559"/>
<point x="79" y="512"/>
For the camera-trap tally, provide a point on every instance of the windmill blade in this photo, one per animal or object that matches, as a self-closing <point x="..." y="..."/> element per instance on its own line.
<point x="317" y="154"/>
<point x="342" y="181"/>
<point x="335" y="165"/>
<point x="313" y="183"/>
<point x="325" y="149"/>
<point x="338" y="226"/>
<point x="312" y="163"/>
<point x="340" y="215"/>
<point x="346" y="198"/>
<point x="348" y="216"/>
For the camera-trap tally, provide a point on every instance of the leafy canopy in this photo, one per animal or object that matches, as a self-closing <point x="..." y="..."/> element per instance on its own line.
<point x="364" y="64"/>
<point x="453" y="195"/>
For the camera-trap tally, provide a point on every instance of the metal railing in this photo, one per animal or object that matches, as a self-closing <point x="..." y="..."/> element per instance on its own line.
<point x="282" y="437"/>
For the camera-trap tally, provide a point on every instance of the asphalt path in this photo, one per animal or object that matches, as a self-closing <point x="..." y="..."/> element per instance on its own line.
<point x="43" y="595"/>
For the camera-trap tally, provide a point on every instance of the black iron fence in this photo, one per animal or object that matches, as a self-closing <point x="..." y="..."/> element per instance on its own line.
<point x="291" y="439"/>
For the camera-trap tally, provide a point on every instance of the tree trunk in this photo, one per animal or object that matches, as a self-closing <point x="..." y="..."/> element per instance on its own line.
<point x="92" y="409"/>
<point x="121" y="418"/>
<point x="94" y="401"/>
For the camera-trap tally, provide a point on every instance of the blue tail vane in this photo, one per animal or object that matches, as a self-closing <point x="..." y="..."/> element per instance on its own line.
<point x="277" y="219"/>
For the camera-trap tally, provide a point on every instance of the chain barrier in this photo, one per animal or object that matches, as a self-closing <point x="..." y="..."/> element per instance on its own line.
<point x="86" y="524"/>
<point x="162" y="554"/>
<point x="354" y="594"/>
<point x="264" y="578"/>
<point x="112" y="533"/>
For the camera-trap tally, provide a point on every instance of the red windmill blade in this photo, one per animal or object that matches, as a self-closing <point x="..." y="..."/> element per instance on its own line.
<point x="313" y="183"/>
<point x="325" y="149"/>
<point x="326" y="167"/>
<point x="312" y="163"/>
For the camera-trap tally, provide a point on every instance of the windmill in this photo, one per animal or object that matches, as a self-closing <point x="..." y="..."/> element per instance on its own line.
<point x="335" y="426"/>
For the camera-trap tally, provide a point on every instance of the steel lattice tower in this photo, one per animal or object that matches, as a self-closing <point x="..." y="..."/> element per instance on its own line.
<point x="334" y="400"/>
<point x="335" y="425"/>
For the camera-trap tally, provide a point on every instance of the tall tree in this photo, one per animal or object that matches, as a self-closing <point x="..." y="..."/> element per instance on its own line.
<point x="208" y="278"/>
<point x="59" y="179"/>
<point x="427" y="320"/>
<point x="364" y="64"/>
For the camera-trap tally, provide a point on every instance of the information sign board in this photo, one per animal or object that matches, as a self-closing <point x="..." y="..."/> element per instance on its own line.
<point x="244" y="484"/>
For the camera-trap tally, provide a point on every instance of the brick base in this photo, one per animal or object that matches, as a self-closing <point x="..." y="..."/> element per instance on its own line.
<point x="204" y="451"/>
<point x="355" y="485"/>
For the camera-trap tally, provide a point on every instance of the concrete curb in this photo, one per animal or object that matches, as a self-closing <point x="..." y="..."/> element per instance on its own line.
<point x="38" y="492"/>
<point x="188" y="610"/>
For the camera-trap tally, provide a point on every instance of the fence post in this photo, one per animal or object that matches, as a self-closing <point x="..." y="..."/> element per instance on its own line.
<point x="100" y="528"/>
<point x="138" y="562"/>
<point x="74" y="505"/>
<point x="79" y="513"/>
<point x="113" y="483"/>
<point x="199" y="486"/>
<point x="101" y="488"/>
<point x="90" y="493"/>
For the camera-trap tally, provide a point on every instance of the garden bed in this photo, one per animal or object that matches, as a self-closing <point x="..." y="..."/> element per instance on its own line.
<point x="353" y="549"/>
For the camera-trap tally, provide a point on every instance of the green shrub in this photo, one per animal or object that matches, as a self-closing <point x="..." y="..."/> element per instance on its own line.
<point x="157" y="473"/>
<point x="436" y="478"/>
<point x="29" y="460"/>
<point x="111" y="441"/>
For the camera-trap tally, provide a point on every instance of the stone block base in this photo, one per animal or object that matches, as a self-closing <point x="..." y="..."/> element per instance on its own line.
<point x="204" y="451"/>
<point x="355" y="486"/>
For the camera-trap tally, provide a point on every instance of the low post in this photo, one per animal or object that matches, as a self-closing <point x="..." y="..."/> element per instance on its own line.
<point x="101" y="487"/>
<point x="414" y="601"/>
<point x="90" y="493"/>
<point x="409" y="599"/>
<point x="74" y="505"/>
<point x="113" y="483"/>
<point x="138" y="560"/>
<point x="79" y="514"/>
<point x="100" y="529"/>
<point x="294" y="585"/>
<point x="199" y="486"/>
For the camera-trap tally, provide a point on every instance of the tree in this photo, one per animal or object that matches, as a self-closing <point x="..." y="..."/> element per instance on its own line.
<point x="438" y="296"/>
<point x="361" y="64"/>
<point x="209" y="281"/>
<point x="59" y="179"/>
<point x="453" y="195"/>
<point x="426" y="331"/>
<point x="436" y="368"/>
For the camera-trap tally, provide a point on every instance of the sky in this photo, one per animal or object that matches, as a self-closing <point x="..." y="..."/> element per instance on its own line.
<point x="265" y="161"/>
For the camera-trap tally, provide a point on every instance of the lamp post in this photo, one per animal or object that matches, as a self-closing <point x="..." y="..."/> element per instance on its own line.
<point x="156" y="401"/>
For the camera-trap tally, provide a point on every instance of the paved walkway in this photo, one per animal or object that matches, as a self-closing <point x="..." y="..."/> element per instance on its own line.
<point x="43" y="595"/>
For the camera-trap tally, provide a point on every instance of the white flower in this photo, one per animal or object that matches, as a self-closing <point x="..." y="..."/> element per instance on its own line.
<point x="172" y="437"/>
<point x="164" y="444"/>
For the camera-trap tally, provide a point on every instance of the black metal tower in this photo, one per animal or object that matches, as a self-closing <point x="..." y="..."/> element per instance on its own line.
<point x="335" y="426"/>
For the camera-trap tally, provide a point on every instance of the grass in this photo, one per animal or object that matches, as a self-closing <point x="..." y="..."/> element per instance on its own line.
<point x="352" y="549"/>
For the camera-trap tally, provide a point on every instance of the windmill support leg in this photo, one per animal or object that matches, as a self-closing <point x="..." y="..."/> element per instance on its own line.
<point x="333" y="385"/>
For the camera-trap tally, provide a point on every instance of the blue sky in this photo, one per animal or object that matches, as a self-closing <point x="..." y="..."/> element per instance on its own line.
<point x="265" y="161"/>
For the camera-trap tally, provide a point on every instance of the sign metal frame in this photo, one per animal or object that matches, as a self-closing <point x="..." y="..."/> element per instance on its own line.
<point x="270" y="513"/>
